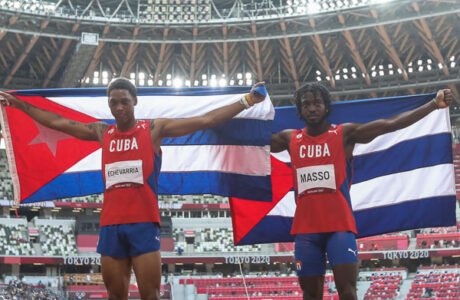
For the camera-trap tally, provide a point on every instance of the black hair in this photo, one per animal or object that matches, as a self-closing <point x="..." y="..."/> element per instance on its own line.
<point x="122" y="83"/>
<point x="316" y="89"/>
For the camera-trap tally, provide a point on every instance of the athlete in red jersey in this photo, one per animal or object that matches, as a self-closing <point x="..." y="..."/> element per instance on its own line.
<point x="131" y="158"/>
<point x="321" y="154"/>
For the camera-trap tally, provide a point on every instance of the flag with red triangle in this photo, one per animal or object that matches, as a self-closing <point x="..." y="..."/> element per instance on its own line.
<point x="46" y="164"/>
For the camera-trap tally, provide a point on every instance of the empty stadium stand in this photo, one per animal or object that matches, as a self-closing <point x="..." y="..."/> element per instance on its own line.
<point x="93" y="287"/>
<point x="14" y="237"/>
<point x="436" y="283"/>
<point x="255" y="287"/>
<point x="57" y="237"/>
<point x="384" y="287"/>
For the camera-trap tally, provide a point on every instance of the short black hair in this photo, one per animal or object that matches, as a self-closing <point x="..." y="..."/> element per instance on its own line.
<point x="121" y="83"/>
<point x="316" y="89"/>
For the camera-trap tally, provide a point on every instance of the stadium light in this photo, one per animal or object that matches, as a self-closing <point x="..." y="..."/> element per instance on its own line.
<point x="313" y="8"/>
<point x="380" y="1"/>
<point x="178" y="82"/>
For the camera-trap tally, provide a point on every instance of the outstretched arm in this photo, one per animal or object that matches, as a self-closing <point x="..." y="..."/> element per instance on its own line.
<point x="174" y="128"/>
<point x="364" y="133"/>
<point x="280" y="140"/>
<point x="88" y="132"/>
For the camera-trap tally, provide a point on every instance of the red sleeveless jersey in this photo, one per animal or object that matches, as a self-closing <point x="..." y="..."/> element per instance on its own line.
<point x="322" y="179"/>
<point x="130" y="169"/>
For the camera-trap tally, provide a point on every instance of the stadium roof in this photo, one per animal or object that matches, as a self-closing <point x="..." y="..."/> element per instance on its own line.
<point x="359" y="48"/>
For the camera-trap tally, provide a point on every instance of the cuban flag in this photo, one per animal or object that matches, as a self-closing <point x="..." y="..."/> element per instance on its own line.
<point x="401" y="180"/>
<point x="232" y="159"/>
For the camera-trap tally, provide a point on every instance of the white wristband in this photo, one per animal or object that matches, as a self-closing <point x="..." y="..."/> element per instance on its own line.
<point x="244" y="102"/>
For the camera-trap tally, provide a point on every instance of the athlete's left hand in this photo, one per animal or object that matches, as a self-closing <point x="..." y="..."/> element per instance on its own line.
<point x="444" y="98"/>
<point x="256" y="97"/>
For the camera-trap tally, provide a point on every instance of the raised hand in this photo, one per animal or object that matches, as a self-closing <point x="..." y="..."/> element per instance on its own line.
<point x="256" y="97"/>
<point x="8" y="100"/>
<point x="444" y="98"/>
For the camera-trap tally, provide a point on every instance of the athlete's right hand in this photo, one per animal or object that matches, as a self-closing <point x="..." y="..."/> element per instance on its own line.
<point x="8" y="99"/>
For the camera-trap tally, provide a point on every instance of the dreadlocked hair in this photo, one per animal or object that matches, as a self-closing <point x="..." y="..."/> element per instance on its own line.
<point x="316" y="89"/>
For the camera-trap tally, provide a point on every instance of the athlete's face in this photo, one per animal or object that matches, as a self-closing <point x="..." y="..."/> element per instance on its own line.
<point x="121" y="104"/>
<point x="313" y="109"/>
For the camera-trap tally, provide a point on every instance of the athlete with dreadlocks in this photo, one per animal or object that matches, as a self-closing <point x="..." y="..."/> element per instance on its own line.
<point x="321" y="156"/>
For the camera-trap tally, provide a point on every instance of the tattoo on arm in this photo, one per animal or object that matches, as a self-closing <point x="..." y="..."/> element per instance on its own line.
<point x="28" y="107"/>
<point x="152" y="125"/>
<point x="99" y="128"/>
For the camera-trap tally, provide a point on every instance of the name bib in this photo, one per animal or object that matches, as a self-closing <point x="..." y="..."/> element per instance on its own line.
<point x="316" y="179"/>
<point x="126" y="173"/>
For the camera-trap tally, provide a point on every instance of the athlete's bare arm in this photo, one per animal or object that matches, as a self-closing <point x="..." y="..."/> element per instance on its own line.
<point x="364" y="133"/>
<point x="162" y="128"/>
<point x="87" y="132"/>
<point x="280" y="140"/>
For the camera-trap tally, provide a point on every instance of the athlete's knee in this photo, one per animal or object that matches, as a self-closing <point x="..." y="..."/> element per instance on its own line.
<point x="117" y="294"/>
<point x="152" y="294"/>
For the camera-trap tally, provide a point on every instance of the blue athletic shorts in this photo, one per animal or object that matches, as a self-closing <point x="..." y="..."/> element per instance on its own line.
<point x="126" y="240"/>
<point x="311" y="249"/>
